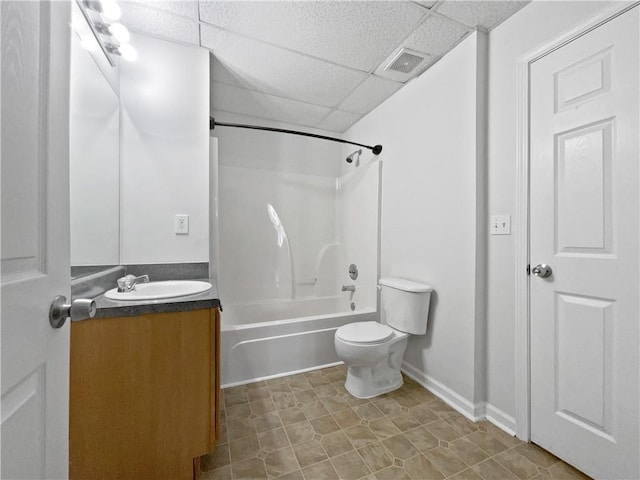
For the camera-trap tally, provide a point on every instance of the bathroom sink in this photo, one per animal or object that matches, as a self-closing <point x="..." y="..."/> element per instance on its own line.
<point x="159" y="290"/>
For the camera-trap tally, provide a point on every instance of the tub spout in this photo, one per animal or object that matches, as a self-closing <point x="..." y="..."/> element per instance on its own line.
<point x="348" y="288"/>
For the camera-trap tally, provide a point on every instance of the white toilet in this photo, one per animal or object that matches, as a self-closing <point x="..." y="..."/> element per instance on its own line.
<point x="373" y="351"/>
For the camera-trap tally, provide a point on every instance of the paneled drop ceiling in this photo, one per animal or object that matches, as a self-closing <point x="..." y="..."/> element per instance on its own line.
<point x="311" y="63"/>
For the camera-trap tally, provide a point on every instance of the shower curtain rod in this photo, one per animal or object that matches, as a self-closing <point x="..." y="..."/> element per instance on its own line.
<point x="376" y="149"/>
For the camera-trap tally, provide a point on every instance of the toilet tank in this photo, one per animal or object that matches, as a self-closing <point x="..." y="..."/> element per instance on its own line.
<point x="405" y="304"/>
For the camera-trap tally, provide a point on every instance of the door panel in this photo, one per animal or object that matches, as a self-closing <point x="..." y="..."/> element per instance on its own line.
<point x="34" y="100"/>
<point x="584" y="224"/>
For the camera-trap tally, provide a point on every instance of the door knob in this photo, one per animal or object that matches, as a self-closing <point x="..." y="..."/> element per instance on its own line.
<point x="542" y="270"/>
<point x="79" y="309"/>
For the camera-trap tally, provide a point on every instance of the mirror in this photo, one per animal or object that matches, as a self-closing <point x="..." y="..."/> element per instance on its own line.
<point x="94" y="157"/>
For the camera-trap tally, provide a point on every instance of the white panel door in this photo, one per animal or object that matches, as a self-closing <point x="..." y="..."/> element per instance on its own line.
<point x="34" y="124"/>
<point x="584" y="225"/>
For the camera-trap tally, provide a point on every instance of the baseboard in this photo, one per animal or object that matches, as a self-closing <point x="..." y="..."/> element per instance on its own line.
<point x="500" y="419"/>
<point x="473" y="412"/>
<point x="278" y="375"/>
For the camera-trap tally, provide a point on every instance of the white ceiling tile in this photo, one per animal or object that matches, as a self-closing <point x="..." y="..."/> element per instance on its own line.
<point x="369" y="95"/>
<point x="485" y="14"/>
<point x="339" y="121"/>
<point x="426" y="4"/>
<point x="159" y="23"/>
<point x="186" y="8"/>
<point x="265" y="68"/>
<point x="359" y="34"/>
<point x="256" y="104"/>
<point x="436" y="36"/>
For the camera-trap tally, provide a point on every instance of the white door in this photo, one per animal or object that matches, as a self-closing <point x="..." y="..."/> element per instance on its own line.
<point x="34" y="101"/>
<point x="584" y="225"/>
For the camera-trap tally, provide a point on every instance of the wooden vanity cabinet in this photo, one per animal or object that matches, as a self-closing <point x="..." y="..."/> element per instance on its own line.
<point x="144" y="395"/>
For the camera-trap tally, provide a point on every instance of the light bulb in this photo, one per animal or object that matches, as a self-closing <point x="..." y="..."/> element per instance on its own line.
<point x="110" y="9"/>
<point x="119" y="32"/>
<point x="128" y="52"/>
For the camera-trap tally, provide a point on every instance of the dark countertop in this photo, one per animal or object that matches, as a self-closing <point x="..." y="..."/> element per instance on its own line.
<point x="116" y="308"/>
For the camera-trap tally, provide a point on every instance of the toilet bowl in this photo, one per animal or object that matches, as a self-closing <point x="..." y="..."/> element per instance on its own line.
<point x="373" y="356"/>
<point x="373" y="351"/>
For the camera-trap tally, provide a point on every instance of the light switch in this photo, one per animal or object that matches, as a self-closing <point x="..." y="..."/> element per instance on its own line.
<point x="500" y="225"/>
<point x="182" y="225"/>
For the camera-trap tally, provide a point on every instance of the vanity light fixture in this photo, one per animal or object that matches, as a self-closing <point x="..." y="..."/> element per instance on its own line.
<point x="97" y="13"/>
<point x="125" y="51"/>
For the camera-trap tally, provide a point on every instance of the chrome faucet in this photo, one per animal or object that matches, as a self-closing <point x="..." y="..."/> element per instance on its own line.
<point x="348" y="288"/>
<point x="129" y="282"/>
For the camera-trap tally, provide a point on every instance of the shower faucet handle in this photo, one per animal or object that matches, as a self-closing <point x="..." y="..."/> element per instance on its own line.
<point x="348" y="288"/>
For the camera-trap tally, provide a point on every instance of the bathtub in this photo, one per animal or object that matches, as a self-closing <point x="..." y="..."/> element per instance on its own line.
<point x="271" y="339"/>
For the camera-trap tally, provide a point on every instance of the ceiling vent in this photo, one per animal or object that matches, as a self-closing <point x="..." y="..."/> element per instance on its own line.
<point x="403" y="64"/>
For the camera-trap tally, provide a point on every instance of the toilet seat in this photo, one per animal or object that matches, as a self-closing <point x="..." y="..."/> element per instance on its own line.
<point x="365" y="332"/>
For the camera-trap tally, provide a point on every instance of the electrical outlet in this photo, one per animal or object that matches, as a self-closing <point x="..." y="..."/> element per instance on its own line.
<point x="500" y="225"/>
<point x="182" y="224"/>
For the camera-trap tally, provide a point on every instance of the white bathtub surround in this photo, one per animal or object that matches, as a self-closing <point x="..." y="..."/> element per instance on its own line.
<point x="268" y="347"/>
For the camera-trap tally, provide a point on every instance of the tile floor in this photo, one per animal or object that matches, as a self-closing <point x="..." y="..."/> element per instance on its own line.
<point x="308" y="427"/>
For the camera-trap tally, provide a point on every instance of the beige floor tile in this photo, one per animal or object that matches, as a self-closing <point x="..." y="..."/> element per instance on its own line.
<point x="299" y="432"/>
<point x="335" y="404"/>
<point x="383" y="428"/>
<point x="267" y="421"/>
<point x="423" y="414"/>
<point x="360" y="436"/>
<point x="420" y="468"/>
<point x="217" y="459"/>
<point x="376" y="456"/>
<point x="346" y="418"/>
<point x="446" y="461"/>
<point x="459" y="422"/>
<point x="284" y="400"/>
<point x="422" y="438"/>
<point x="292" y="415"/>
<point x="368" y="412"/>
<point x="324" y="425"/>
<point x="350" y="466"/>
<point x="392" y="473"/>
<point x="336" y="443"/>
<point x="487" y="442"/>
<point x="537" y="455"/>
<point x="309" y="453"/>
<point x="297" y="475"/>
<point x="242" y="410"/>
<point x="517" y="464"/>
<point x="504" y="437"/>
<point x="388" y="406"/>
<point x="406" y="400"/>
<point x="244" y="448"/>
<point x="314" y="409"/>
<point x="443" y="431"/>
<point x="279" y="388"/>
<point x="466" y="475"/>
<point x="404" y="421"/>
<point x="422" y="395"/>
<point x="299" y="384"/>
<point x="306" y="396"/>
<point x="223" y="473"/>
<point x="254" y="385"/>
<point x="320" y="471"/>
<point x="239" y="428"/>
<point x="250" y="469"/>
<point x="324" y="391"/>
<point x="263" y="406"/>
<point x="280" y="462"/>
<point x="468" y="451"/>
<point x="400" y="447"/>
<point x="491" y="470"/>
<point x="273" y="440"/>
<point x="562" y="471"/>
<point x="258" y="393"/>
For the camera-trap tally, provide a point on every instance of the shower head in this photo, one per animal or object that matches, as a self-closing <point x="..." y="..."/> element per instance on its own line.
<point x="351" y="157"/>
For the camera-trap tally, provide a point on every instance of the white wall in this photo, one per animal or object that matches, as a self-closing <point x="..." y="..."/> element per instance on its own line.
<point x="533" y="26"/>
<point x="429" y="132"/>
<point x="164" y="152"/>
<point x="94" y="157"/>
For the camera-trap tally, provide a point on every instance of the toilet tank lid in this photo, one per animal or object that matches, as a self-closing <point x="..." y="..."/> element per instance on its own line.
<point x="404" y="284"/>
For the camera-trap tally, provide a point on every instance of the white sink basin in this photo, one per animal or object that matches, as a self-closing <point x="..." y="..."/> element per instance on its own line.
<point x="159" y="290"/>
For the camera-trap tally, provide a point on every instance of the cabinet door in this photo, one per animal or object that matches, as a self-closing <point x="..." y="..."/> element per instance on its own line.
<point x="143" y="395"/>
